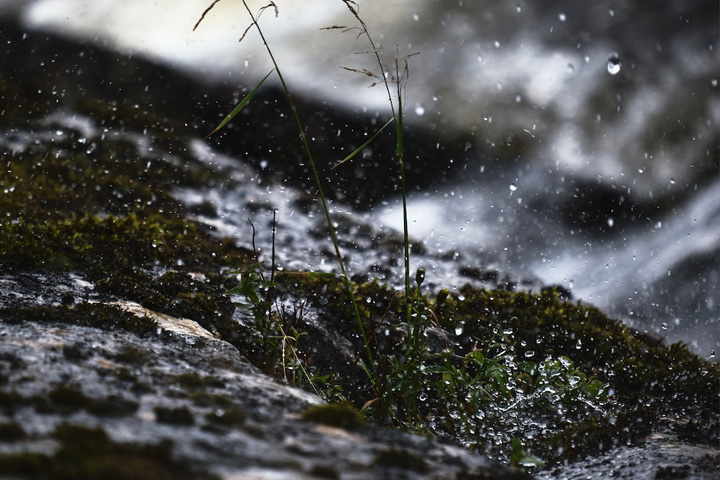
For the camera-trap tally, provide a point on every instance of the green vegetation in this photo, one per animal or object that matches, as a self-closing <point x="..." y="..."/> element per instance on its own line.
<point x="335" y="414"/>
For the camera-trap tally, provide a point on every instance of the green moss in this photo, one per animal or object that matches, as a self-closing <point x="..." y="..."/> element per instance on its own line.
<point x="226" y="417"/>
<point x="341" y="415"/>
<point x="174" y="416"/>
<point x="90" y="454"/>
<point x="400" y="459"/>
<point x="64" y="399"/>
<point x="75" y="353"/>
<point x="325" y="471"/>
<point x="11" y="432"/>
<point x="205" y="399"/>
<point x="596" y="434"/>
<point x="112" y="406"/>
<point x="103" y="246"/>
<point x="10" y="401"/>
<point x="190" y="380"/>
<point x="670" y="376"/>
<point x="132" y="356"/>
<point x="97" y="315"/>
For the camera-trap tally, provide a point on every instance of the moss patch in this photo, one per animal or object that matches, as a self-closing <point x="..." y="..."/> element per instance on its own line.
<point x="97" y="315"/>
<point x="341" y="415"/>
<point x="89" y="453"/>
<point x="174" y="416"/>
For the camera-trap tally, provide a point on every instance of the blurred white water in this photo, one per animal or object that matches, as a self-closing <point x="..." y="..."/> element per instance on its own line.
<point x="530" y="82"/>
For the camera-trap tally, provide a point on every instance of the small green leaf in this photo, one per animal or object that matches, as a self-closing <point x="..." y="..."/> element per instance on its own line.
<point x="362" y="147"/>
<point x="240" y="106"/>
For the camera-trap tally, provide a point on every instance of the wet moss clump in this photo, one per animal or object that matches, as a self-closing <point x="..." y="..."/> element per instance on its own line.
<point x="98" y="315"/>
<point x="636" y="366"/>
<point x="12" y="432"/>
<point x="66" y="399"/>
<point x="132" y="356"/>
<point x="102" y="246"/>
<point x="174" y="416"/>
<point x="401" y="459"/>
<point x="113" y="406"/>
<point x="226" y="417"/>
<point x="90" y="454"/>
<point x="341" y="415"/>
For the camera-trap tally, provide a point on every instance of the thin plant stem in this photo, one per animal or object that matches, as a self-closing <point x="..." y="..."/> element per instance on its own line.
<point x="399" y="146"/>
<point x="318" y="183"/>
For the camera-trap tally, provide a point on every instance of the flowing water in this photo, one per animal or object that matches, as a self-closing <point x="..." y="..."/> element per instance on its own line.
<point x="590" y="129"/>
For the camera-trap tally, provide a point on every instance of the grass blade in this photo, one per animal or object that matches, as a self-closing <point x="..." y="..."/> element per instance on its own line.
<point x="362" y="147"/>
<point x="240" y="105"/>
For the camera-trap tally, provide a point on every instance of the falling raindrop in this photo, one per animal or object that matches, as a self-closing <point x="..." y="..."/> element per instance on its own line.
<point x="419" y="110"/>
<point x="562" y="17"/>
<point x="614" y="64"/>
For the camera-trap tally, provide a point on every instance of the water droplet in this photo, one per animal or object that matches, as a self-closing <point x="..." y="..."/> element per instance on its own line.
<point x="610" y="222"/>
<point x="529" y="353"/>
<point x="714" y="82"/>
<point x="664" y="326"/>
<point x="419" y="110"/>
<point x="416" y="17"/>
<point x="614" y="64"/>
<point x="562" y="17"/>
<point x="513" y="187"/>
<point x="496" y="43"/>
<point x="459" y="329"/>
<point x="518" y="9"/>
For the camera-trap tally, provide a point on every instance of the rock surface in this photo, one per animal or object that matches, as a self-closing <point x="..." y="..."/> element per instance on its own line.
<point x="187" y="406"/>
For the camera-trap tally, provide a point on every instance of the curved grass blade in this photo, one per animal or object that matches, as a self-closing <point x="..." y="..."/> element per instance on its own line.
<point x="240" y="105"/>
<point x="362" y="147"/>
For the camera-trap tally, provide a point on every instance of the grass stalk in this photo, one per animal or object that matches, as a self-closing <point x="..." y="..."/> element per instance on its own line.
<point x="399" y="143"/>
<point x="318" y="183"/>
